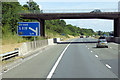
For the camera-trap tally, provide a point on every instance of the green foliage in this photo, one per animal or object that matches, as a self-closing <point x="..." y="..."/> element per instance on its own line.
<point x="101" y="33"/>
<point x="31" y="6"/>
<point x="10" y="16"/>
<point x="9" y="38"/>
<point x="59" y="26"/>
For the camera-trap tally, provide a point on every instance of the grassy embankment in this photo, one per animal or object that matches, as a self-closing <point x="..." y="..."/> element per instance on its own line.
<point x="10" y="42"/>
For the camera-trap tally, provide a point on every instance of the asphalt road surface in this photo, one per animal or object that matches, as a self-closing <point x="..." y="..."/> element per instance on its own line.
<point x="79" y="60"/>
<point x="106" y="55"/>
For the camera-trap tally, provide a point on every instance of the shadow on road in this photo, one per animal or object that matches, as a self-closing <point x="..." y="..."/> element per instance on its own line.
<point x="97" y="47"/>
<point x="75" y="42"/>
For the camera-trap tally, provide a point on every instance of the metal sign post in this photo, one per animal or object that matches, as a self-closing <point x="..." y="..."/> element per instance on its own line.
<point x="34" y="42"/>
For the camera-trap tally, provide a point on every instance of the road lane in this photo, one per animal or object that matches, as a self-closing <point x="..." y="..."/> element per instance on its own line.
<point x="106" y="55"/>
<point x="78" y="62"/>
<point x="37" y="67"/>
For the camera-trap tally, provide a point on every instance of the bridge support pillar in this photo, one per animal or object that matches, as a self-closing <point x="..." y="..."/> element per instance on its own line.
<point x="42" y="27"/>
<point x="117" y="27"/>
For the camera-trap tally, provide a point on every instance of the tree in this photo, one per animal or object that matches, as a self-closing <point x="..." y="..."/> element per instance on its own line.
<point x="31" y="6"/>
<point x="10" y="16"/>
<point x="99" y="33"/>
<point x="25" y="7"/>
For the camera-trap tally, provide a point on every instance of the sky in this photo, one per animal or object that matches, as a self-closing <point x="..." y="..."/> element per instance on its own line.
<point x="71" y="0"/>
<point x="80" y="6"/>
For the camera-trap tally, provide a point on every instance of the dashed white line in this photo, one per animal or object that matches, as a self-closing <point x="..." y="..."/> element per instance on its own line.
<point x="91" y="51"/>
<point x="96" y="56"/>
<point x="88" y="48"/>
<point x="108" y="66"/>
<point x="56" y="64"/>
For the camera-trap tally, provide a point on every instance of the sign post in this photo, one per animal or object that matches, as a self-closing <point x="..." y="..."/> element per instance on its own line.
<point x="34" y="42"/>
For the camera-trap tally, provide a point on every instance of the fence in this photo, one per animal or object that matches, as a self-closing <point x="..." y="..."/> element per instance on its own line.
<point x="9" y="55"/>
<point x="27" y="48"/>
<point x="24" y="49"/>
<point x="30" y="46"/>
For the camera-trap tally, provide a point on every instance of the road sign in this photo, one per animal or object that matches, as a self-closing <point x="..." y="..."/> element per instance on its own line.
<point x="104" y="34"/>
<point x="28" y="29"/>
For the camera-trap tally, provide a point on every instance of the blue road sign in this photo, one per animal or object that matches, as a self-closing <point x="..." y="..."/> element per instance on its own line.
<point x="104" y="34"/>
<point x="28" y="29"/>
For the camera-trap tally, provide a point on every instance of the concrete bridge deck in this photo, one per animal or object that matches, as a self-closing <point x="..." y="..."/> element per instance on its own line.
<point x="49" y="16"/>
<point x="41" y="17"/>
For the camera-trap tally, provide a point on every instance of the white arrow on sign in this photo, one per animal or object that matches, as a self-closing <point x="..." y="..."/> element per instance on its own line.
<point x="36" y="31"/>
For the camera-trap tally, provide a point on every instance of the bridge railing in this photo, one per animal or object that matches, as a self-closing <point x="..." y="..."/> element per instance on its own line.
<point x="30" y="11"/>
<point x="67" y="11"/>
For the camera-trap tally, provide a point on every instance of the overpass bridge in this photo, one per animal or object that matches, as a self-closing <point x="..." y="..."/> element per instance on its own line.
<point x="41" y="17"/>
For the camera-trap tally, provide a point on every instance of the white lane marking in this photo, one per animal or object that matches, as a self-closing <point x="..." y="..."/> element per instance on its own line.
<point x="96" y="56"/>
<point x="13" y="67"/>
<point x="108" y="66"/>
<point x="57" y="62"/>
<point x="88" y="48"/>
<point x="91" y="51"/>
<point x="0" y="74"/>
<point x="10" y="68"/>
<point x="20" y="62"/>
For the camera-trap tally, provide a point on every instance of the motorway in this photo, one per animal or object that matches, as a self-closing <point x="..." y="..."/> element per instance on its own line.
<point x="80" y="59"/>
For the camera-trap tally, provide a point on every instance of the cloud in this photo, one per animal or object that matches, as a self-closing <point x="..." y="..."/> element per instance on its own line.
<point x="40" y="6"/>
<point x="95" y="24"/>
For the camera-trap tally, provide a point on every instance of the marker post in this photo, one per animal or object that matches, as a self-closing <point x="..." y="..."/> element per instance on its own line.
<point x="34" y="42"/>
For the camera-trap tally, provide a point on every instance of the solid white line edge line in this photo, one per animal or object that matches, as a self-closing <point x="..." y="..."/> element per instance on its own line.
<point x="21" y="62"/>
<point x="57" y="62"/>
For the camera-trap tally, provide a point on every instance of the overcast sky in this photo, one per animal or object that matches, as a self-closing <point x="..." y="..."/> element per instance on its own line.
<point x="95" y="24"/>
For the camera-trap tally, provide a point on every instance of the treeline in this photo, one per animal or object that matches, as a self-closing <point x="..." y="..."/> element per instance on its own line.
<point x="10" y="17"/>
<point x="60" y="27"/>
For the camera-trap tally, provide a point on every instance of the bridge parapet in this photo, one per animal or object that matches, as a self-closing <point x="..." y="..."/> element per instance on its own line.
<point x="68" y="11"/>
<point x="42" y="15"/>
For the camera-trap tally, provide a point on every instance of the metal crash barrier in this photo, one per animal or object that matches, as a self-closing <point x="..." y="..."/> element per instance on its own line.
<point x="9" y="55"/>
